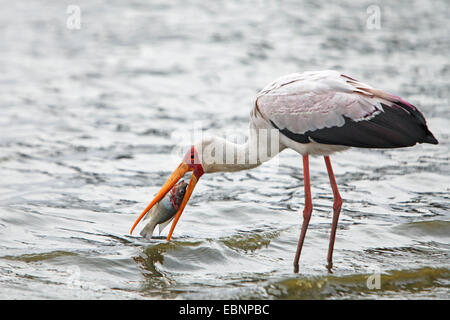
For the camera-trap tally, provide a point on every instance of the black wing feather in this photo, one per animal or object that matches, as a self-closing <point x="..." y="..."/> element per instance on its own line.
<point x="398" y="126"/>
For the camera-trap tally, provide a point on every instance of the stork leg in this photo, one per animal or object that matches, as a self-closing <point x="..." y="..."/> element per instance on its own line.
<point x="306" y="211"/>
<point x="337" y="204"/>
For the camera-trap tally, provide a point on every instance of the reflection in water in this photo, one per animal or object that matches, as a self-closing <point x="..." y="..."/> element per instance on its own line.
<point x="404" y="282"/>
<point x="250" y="240"/>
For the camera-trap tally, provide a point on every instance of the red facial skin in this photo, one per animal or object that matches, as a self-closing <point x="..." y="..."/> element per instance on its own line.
<point x="193" y="161"/>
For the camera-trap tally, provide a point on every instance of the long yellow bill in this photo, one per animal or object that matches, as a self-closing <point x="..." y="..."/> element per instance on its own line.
<point x="187" y="195"/>
<point x="171" y="181"/>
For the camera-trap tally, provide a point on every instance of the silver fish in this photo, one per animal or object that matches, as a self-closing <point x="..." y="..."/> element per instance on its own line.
<point x="164" y="211"/>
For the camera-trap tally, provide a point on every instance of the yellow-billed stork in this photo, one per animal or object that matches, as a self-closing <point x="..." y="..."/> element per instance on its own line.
<point x="315" y="113"/>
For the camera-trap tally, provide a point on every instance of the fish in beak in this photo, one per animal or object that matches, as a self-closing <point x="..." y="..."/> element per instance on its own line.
<point x="190" y="162"/>
<point x="165" y="210"/>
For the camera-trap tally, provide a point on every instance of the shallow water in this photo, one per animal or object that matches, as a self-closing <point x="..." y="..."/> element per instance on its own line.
<point x="91" y="124"/>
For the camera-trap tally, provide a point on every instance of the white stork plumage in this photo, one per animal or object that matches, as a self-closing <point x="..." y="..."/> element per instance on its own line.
<point x="315" y="113"/>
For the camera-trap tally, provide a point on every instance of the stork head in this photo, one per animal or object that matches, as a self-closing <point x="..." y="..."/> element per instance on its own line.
<point x="190" y="162"/>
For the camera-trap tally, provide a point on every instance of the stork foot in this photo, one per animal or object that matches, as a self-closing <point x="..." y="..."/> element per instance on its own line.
<point x="330" y="266"/>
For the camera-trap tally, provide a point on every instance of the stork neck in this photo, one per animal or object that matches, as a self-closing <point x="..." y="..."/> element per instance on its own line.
<point x="227" y="156"/>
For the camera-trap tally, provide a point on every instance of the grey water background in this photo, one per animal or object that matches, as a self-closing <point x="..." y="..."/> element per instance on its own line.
<point x="93" y="120"/>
